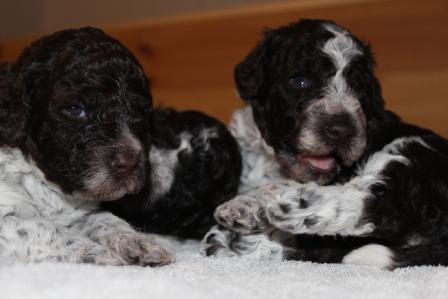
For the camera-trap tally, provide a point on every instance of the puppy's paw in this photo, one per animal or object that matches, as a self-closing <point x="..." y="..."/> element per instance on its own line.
<point x="137" y="249"/>
<point x="300" y="210"/>
<point x="260" y="247"/>
<point x="149" y="254"/>
<point x="243" y="214"/>
<point x="217" y="243"/>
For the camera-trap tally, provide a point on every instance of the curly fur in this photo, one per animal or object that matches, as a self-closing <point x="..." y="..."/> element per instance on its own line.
<point x="346" y="179"/>
<point x="195" y="166"/>
<point x="74" y="112"/>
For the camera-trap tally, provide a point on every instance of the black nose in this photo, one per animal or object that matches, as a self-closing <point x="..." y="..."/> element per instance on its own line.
<point x="124" y="161"/>
<point x="339" y="128"/>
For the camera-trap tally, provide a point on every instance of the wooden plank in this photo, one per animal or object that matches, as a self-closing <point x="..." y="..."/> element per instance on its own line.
<point x="190" y="59"/>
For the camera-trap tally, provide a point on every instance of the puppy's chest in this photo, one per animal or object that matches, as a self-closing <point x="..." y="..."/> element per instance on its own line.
<point x="25" y="192"/>
<point x="259" y="164"/>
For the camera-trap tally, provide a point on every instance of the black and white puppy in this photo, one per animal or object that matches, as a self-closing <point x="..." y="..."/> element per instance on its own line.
<point x="330" y="175"/>
<point x="74" y="122"/>
<point x="195" y="166"/>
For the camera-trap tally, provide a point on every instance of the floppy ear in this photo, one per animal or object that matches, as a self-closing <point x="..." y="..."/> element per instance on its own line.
<point x="13" y="109"/>
<point x="373" y="93"/>
<point x="376" y="93"/>
<point x="251" y="73"/>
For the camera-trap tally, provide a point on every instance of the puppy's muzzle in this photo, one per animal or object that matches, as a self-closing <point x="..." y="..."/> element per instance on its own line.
<point x="125" y="160"/>
<point x="338" y="129"/>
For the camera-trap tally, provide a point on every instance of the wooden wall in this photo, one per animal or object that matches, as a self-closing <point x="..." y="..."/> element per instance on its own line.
<point x="190" y="59"/>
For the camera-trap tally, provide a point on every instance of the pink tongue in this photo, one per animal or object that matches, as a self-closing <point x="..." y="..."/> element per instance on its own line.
<point x="320" y="162"/>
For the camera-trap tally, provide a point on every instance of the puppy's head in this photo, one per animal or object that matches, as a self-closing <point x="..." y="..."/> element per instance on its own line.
<point x="314" y="94"/>
<point x="78" y="103"/>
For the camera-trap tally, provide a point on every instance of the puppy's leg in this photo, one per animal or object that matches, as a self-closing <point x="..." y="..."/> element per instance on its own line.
<point x="121" y="243"/>
<point x="323" y="210"/>
<point x="34" y="239"/>
<point x="100" y="241"/>
<point x="359" y="207"/>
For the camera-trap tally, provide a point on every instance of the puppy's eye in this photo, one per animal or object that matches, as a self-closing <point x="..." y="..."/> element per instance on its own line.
<point x="301" y="83"/>
<point x="75" y="111"/>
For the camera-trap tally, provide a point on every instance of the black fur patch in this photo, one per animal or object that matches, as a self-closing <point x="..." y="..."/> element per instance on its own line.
<point x="204" y="178"/>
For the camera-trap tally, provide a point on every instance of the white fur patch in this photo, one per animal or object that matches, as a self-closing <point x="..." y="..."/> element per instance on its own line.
<point x="341" y="49"/>
<point x="163" y="164"/>
<point x="207" y="134"/>
<point x="368" y="173"/>
<point x="259" y="164"/>
<point x="374" y="255"/>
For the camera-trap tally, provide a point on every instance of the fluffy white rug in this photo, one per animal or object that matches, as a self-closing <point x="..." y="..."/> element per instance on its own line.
<point x="194" y="276"/>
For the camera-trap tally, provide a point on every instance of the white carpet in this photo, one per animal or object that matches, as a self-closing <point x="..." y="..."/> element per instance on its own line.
<point x="194" y="276"/>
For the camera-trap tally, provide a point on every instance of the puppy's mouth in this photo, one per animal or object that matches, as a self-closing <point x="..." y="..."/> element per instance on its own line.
<point x="307" y="167"/>
<point x="113" y="190"/>
<point x="318" y="163"/>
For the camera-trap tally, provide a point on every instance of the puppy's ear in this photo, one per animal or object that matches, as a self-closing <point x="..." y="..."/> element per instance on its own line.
<point x="251" y="73"/>
<point x="13" y="109"/>
<point x="374" y="92"/>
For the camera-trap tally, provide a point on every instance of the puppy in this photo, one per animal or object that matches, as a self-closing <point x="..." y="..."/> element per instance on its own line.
<point x="329" y="174"/>
<point x="74" y="113"/>
<point x="195" y="166"/>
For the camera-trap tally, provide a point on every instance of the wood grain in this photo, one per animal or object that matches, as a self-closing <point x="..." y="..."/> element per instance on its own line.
<point x="190" y="59"/>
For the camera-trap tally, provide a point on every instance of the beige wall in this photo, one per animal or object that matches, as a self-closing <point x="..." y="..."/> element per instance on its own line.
<point x="20" y="18"/>
<point x="408" y="37"/>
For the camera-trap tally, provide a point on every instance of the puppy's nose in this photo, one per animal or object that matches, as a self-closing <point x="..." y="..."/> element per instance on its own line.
<point x="124" y="161"/>
<point x="339" y="128"/>
<point x="338" y="132"/>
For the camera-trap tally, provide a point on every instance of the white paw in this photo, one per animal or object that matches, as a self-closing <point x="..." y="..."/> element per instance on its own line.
<point x="134" y="249"/>
<point x="216" y="243"/>
<point x="300" y="210"/>
<point x="243" y="214"/>
<point x="220" y="242"/>
<point x="374" y="255"/>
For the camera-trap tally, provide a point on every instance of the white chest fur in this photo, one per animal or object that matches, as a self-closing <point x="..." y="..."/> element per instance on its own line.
<point x="25" y="192"/>
<point x="259" y="164"/>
